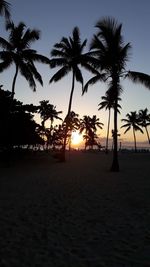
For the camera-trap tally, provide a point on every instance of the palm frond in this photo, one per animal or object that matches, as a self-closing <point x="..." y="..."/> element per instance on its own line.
<point x="4" y="65"/>
<point x="5" y="9"/>
<point x="59" y="74"/>
<point x="39" y="58"/>
<point x="26" y="72"/>
<point x="5" y="44"/>
<point x="30" y="36"/>
<point x="92" y="81"/>
<point x="127" y="129"/>
<point x="35" y="73"/>
<point x="139" y="77"/>
<point x="57" y="62"/>
<point x="137" y="128"/>
<point x="58" y="53"/>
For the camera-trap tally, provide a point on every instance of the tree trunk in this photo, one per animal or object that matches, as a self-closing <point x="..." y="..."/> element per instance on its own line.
<point x="63" y="154"/>
<point x="135" y="149"/>
<point x="107" y="133"/>
<point x="115" y="163"/>
<point x="147" y="134"/>
<point x="14" y="82"/>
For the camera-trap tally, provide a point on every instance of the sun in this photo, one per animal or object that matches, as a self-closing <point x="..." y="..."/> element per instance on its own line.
<point x="76" y="138"/>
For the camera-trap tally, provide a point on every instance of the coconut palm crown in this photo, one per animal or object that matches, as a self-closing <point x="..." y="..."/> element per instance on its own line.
<point x="17" y="50"/>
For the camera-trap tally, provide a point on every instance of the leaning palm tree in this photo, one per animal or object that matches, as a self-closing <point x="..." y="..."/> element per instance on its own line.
<point x="108" y="103"/>
<point x="144" y="119"/>
<point x="132" y="121"/>
<point x="112" y="54"/>
<point x="68" y="55"/>
<point x="5" y="9"/>
<point x="17" y="50"/>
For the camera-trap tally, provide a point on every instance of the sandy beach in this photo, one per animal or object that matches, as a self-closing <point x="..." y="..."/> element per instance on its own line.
<point x="77" y="213"/>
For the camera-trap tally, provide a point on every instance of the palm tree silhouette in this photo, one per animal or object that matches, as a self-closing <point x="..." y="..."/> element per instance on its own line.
<point x="85" y="125"/>
<point x="5" y="9"/>
<point x="17" y="50"/>
<point x="48" y="112"/>
<point x="112" y="55"/>
<point x="108" y="103"/>
<point x="90" y="125"/>
<point x="90" y="139"/>
<point x="95" y="123"/>
<point x="44" y="111"/>
<point x="144" y="120"/>
<point x="132" y="121"/>
<point x="68" y="55"/>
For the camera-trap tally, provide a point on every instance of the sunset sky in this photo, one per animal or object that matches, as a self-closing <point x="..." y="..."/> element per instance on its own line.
<point x="56" y="19"/>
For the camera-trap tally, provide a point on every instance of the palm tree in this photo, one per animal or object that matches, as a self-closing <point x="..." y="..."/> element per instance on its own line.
<point x="85" y="126"/>
<point x="89" y="125"/>
<point x="48" y="112"/>
<point x="68" y="55"/>
<point x="108" y="103"/>
<point x="144" y="119"/>
<point x="17" y="50"/>
<point x="90" y="139"/>
<point x="112" y="54"/>
<point x="95" y="123"/>
<point x="5" y="9"/>
<point x="44" y="110"/>
<point x="132" y="121"/>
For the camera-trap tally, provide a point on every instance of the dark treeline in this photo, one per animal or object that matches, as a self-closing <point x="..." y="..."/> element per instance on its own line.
<point x="20" y="130"/>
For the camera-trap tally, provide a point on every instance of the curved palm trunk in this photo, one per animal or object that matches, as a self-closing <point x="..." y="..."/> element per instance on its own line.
<point x="147" y="134"/>
<point x="14" y="82"/>
<point x="107" y="132"/>
<point x="63" y="158"/>
<point x="115" y="163"/>
<point x="135" y="149"/>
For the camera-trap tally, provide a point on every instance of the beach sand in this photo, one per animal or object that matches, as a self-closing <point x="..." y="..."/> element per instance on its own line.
<point x="77" y="213"/>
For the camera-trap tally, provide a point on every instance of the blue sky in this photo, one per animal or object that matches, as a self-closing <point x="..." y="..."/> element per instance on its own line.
<point x="56" y="19"/>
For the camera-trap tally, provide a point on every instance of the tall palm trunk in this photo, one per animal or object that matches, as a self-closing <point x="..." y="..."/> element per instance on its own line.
<point x="108" y="131"/>
<point x="134" y="140"/>
<point x="63" y="158"/>
<point x="14" y="82"/>
<point x="147" y="134"/>
<point x="115" y="163"/>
